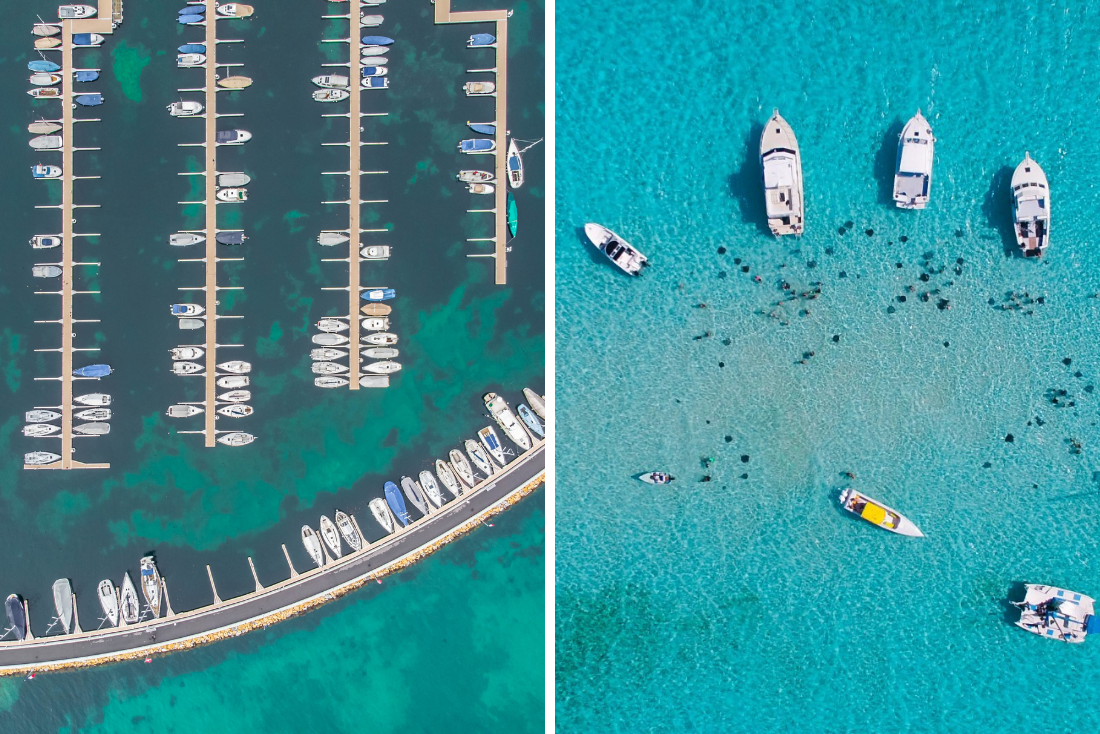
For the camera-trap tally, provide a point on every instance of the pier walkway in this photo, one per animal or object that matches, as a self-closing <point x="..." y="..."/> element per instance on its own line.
<point x="443" y="14"/>
<point x="297" y="594"/>
<point x="103" y="25"/>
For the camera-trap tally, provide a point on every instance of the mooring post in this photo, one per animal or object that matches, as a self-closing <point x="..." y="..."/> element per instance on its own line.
<point x="217" y="599"/>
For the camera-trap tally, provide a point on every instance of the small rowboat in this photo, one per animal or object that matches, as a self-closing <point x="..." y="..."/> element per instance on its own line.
<point x="376" y="309"/>
<point x="45" y="29"/>
<point x="878" y="514"/>
<point x="234" y="82"/>
<point x="43" y="44"/>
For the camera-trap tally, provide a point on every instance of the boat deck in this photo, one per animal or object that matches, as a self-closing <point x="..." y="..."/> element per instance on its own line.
<point x="101" y="25"/>
<point x="443" y="14"/>
<point x="298" y="593"/>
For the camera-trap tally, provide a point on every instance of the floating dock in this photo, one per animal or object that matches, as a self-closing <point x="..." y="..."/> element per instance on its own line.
<point x="443" y="14"/>
<point x="294" y="595"/>
<point x="102" y="24"/>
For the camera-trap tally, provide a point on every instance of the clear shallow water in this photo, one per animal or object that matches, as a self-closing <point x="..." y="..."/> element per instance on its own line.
<point x="317" y="450"/>
<point x="754" y="604"/>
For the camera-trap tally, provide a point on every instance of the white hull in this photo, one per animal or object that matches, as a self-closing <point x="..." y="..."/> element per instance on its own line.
<point x="109" y="601"/>
<point x="347" y="530"/>
<point x="431" y="488"/>
<point x="382" y="514"/>
<point x="913" y="175"/>
<point x="781" y="162"/>
<point x="331" y="536"/>
<point x="313" y="546"/>
<point x="447" y="476"/>
<point x="462" y="467"/>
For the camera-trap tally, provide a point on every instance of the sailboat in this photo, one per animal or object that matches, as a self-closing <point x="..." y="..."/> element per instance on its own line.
<point x="109" y="601"/>
<point x="480" y="458"/>
<point x="431" y="488"/>
<point x="492" y="442"/>
<point x="515" y="165"/>
<point x="347" y="529"/>
<point x="330" y="536"/>
<point x="462" y="467"/>
<point x="131" y="609"/>
<point x="381" y="513"/>
<point x="396" y="503"/>
<point x="528" y="417"/>
<point x="535" y="401"/>
<point x="416" y="496"/>
<point x="150" y="584"/>
<point x="313" y="546"/>
<point x="17" y="617"/>
<point x="63" y="603"/>
<point x="450" y="481"/>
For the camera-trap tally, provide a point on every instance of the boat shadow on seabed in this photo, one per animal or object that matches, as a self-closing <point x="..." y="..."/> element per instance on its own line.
<point x="746" y="183"/>
<point x="997" y="209"/>
<point x="886" y="163"/>
<point x="1010" y="613"/>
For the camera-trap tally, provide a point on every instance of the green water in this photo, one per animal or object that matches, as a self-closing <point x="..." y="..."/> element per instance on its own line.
<point x="316" y="450"/>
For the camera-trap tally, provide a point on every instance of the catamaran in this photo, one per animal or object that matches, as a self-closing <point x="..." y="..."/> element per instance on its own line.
<point x="913" y="176"/>
<point x="782" y="164"/>
<point x="331" y="536"/>
<point x="1058" y="614"/>
<point x="1031" y="207"/>
<point x="313" y="545"/>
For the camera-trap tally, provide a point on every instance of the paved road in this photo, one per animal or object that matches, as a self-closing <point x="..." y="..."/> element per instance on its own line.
<point x="190" y="625"/>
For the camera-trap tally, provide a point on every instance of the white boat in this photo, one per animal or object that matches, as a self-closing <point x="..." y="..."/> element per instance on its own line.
<point x="191" y="324"/>
<point x="236" y="366"/>
<point x="331" y="81"/>
<point x="185" y="61"/>
<point x="381" y="513"/>
<point x="94" y="414"/>
<point x="186" y="309"/>
<point x="328" y="368"/>
<point x="374" y="69"/>
<point x="515" y="165"/>
<point x="37" y="430"/>
<point x="374" y="381"/>
<point x="183" y="411"/>
<point x="330" y="340"/>
<point x="233" y="381"/>
<point x="507" y="421"/>
<point x="382" y="368"/>
<point x="130" y="607"/>
<point x="45" y="241"/>
<point x="415" y="494"/>
<point x="330" y="95"/>
<point x="374" y="51"/>
<point x="369" y="21"/>
<point x="41" y="416"/>
<point x="332" y="325"/>
<point x="313" y="545"/>
<point x="480" y="458"/>
<point x="375" y="82"/>
<point x="528" y="416"/>
<point x="95" y="398"/>
<point x="331" y="537"/>
<point x="431" y="488"/>
<point x="235" y="396"/>
<point x="234" y="179"/>
<point x="92" y="429"/>
<point x="480" y="188"/>
<point x="186" y="353"/>
<point x="46" y="271"/>
<point x="326" y="355"/>
<point x="913" y="175"/>
<point x="447" y="476"/>
<point x="109" y="601"/>
<point x="183" y="239"/>
<point x="1031" y="207"/>
<point x="878" y="514"/>
<point x="150" y="584"/>
<point x="44" y="30"/>
<point x="38" y="458"/>
<point x="186" y="368"/>
<point x="381" y="353"/>
<point x="232" y="195"/>
<point x="782" y="164"/>
<point x="44" y="171"/>
<point x="376" y="309"/>
<point x="535" y="401"/>
<point x="475" y="176"/>
<point x="381" y="338"/>
<point x="375" y="252"/>
<point x="627" y="257"/>
<point x="63" y="604"/>
<point x="373" y="61"/>
<point x="656" y="477"/>
<point x="236" y="438"/>
<point x="492" y="443"/>
<point x="347" y="530"/>
<point x="237" y="410"/>
<point x="375" y="323"/>
<point x="185" y="108"/>
<point x="44" y="79"/>
<point x="478" y="89"/>
<point x="462" y="467"/>
<point x="1058" y="614"/>
<point x="329" y="381"/>
<point x="69" y="12"/>
<point x="328" y="239"/>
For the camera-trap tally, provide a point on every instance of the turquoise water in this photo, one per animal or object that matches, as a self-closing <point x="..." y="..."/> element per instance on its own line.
<point x="752" y="603"/>
<point x="316" y="450"/>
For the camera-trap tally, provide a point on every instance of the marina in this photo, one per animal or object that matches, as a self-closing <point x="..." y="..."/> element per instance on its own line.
<point x="337" y="571"/>
<point x="71" y="35"/>
<point x="210" y="235"/>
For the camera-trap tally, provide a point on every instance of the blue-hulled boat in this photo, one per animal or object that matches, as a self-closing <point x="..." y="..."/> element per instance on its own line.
<point x="93" y="370"/>
<point x="377" y="41"/>
<point x="230" y="238"/>
<point x="192" y="10"/>
<point x="89" y="100"/>
<point x="379" y="294"/>
<point x="193" y="48"/>
<point x="513" y="215"/>
<point x="376" y="82"/>
<point x="86" y="76"/>
<point x="396" y="503"/>
<point x="42" y="65"/>
<point x="478" y="145"/>
<point x="481" y="39"/>
<point x="87" y="39"/>
<point x="485" y="128"/>
<point x="375" y="71"/>
<point x="16" y="618"/>
<point x="191" y="19"/>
